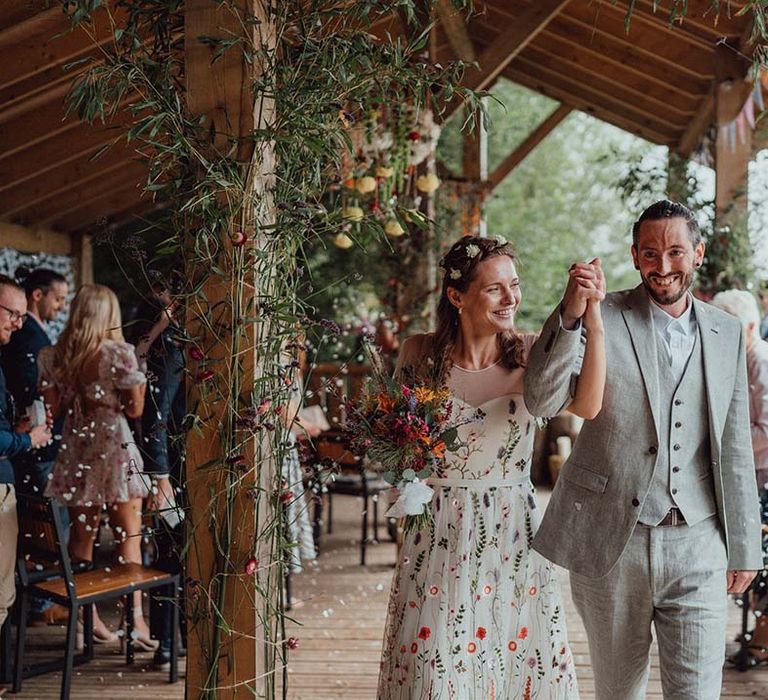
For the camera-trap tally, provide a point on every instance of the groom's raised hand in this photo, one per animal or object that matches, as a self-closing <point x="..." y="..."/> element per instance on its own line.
<point x="585" y="282"/>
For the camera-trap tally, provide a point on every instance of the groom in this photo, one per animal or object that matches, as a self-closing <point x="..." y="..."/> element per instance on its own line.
<point x="655" y="513"/>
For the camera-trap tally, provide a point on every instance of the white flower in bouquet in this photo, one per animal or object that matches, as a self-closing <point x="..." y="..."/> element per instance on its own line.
<point x="427" y="183"/>
<point x="393" y="228"/>
<point x="353" y="213"/>
<point x="343" y="241"/>
<point x="366" y="184"/>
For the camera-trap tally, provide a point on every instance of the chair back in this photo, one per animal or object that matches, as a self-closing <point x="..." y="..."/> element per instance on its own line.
<point x="41" y="553"/>
<point x="331" y="384"/>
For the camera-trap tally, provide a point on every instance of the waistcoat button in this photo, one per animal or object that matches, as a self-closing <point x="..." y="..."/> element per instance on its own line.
<point x="675" y="447"/>
<point x="652" y="449"/>
<point x="678" y="424"/>
<point x="635" y="502"/>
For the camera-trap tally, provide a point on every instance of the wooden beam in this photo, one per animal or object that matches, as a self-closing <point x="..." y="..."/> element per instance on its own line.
<point x="596" y="97"/>
<point x="531" y="141"/>
<point x="699" y="125"/>
<point x="51" y="45"/>
<point x="62" y="179"/>
<point x="97" y="209"/>
<point x="83" y="140"/>
<point x="235" y="657"/>
<point x="19" y="18"/>
<point x="454" y="24"/>
<point x="625" y="92"/>
<point x="58" y="206"/>
<point x="34" y="239"/>
<point x="698" y="22"/>
<point x="59" y="189"/>
<point x="83" y="251"/>
<point x="566" y="96"/>
<point x="508" y="45"/>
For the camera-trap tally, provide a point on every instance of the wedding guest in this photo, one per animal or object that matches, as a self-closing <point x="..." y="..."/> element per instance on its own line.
<point x="91" y="377"/>
<point x="46" y="293"/>
<point x="762" y="294"/>
<point x="16" y="437"/>
<point x="474" y="612"/>
<point x="157" y="338"/>
<point x="743" y="306"/>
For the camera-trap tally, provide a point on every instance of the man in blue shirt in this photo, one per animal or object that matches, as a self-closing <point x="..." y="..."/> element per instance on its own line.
<point x="16" y="437"/>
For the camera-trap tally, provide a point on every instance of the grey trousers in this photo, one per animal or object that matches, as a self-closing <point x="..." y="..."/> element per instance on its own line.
<point x="675" y="578"/>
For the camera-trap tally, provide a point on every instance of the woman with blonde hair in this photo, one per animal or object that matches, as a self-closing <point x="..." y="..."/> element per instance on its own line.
<point x="91" y="377"/>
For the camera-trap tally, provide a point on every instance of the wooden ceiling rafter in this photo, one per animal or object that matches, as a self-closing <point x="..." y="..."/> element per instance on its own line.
<point x="454" y="24"/>
<point x="496" y="57"/>
<point x="63" y="180"/>
<point x="63" y="148"/>
<point x="522" y="150"/>
<point x="634" y="95"/>
<point x="695" y="23"/>
<point x="615" y="49"/>
<point x="92" y="209"/>
<point x="698" y="125"/>
<point x="49" y="47"/>
<point x="20" y="19"/>
<point x="590" y="93"/>
<point x="584" y="105"/>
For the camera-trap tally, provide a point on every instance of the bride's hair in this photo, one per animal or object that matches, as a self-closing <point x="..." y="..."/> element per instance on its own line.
<point x="459" y="267"/>
<point x="93" y="318"/>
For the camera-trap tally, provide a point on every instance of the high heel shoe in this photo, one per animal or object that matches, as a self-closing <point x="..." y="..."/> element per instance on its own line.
<point x="141" y="641"/>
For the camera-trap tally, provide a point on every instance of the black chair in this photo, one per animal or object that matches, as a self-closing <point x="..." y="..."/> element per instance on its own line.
<point x="352" y="479"/>
<point x="53" y="577"/>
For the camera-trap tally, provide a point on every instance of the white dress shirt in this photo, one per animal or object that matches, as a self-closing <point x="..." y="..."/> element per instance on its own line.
<point x="676" y="336"/>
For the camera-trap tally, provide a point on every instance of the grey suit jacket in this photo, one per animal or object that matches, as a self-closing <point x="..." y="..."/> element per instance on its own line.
<point x="604" y="483"/>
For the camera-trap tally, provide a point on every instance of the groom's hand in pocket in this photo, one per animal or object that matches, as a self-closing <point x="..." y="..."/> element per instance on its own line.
<point x="739" y="581"/>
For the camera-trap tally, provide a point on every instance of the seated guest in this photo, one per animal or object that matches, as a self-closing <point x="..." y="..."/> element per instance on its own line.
<point x="16" y="437"/>
<point x="46" y="293"/>
<point x="157" y="339"/>
<point x="91" y="378"/>
<point x="743" y="306"/>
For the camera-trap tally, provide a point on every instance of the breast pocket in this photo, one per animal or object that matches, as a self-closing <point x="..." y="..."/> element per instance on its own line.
<point x="586" y="478"/>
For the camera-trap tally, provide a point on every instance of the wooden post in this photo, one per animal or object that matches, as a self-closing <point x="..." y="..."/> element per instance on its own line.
<point x="475" y="172"/>
<point x="245" y="646"/>
<point x="677" y="177"/>
<point x="733" y="149"/>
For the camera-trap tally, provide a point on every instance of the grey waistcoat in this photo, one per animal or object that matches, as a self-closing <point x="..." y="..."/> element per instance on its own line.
<point x="682" y="477"/>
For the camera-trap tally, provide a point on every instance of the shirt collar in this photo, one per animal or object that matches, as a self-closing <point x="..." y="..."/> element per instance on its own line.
<point x="685" y="324"/>
<point x="34" y="316"/>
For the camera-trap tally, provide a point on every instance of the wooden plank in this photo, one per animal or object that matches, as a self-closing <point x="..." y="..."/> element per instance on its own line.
<point x="699" y="125"/>
<point x="566" y="96"/>
<point x="531" y="141"/>
<point x="496" y="57"/>
<point x="644" y="40"/>
<point x="56" y="207"/>
<point x="625" y="93"/>
<point x="454" y="24"/>
<point x="699" y="21"/>
<point x="34" y="239"/>
<point x="236" y="661"/>
<point x="19" y="17"/>
<point x="50" y="45"/>
<point x="596" y="98"/>
<point x="63" y="178"/>
<point x="600" y="94"/>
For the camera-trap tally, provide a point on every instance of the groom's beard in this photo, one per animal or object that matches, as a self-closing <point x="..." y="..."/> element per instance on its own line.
<point x="666" y="297"/>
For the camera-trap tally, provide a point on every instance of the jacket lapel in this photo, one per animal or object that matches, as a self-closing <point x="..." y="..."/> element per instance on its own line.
<point x="711" y="339"/>
<point x="637" y="316"/>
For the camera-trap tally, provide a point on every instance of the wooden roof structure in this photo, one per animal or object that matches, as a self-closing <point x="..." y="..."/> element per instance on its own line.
<point x="652" y="79"/>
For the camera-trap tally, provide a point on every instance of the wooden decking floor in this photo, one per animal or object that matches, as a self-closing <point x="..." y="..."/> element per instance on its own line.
<point x="340" y="608"/>
<point x="338" y="618"/>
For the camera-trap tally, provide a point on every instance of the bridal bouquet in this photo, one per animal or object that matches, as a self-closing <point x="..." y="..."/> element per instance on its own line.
<point x="407" y="429"/>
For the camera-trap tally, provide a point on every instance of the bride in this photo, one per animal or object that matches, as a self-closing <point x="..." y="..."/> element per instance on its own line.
<point x="474" y="612"/>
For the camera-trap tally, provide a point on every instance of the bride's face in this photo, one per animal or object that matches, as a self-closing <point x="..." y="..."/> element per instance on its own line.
<point x="491" y="300"/>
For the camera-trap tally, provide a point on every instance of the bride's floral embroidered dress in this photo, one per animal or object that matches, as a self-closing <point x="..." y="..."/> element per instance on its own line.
<point x="474" y="612"/>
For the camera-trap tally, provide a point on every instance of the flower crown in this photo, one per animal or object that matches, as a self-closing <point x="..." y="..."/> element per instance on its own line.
<point x="470" y="251"/>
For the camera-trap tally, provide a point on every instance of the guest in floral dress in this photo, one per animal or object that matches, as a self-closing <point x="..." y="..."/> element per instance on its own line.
<point x="474" y="612"/>
<point x="91" y="377"/>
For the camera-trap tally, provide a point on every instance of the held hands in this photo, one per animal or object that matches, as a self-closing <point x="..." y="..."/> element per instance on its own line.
<point x="585" y="291"/>
<point x="39" y="435"/>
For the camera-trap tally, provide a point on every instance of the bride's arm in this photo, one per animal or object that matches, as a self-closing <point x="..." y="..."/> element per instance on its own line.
<point x="588" y="397"/>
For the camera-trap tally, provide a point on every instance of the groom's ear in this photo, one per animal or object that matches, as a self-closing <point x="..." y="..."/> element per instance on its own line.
<point x="633" y="249"/>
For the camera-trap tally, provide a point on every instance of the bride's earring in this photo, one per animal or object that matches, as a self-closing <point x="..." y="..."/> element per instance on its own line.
<point x="459" y="311"/>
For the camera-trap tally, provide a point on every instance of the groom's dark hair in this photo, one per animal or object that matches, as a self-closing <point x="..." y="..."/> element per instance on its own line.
<point x="664" y="209"/>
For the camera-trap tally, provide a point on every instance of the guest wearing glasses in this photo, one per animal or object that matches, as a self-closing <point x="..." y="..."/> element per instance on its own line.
<point x="46" y="293"/>
<point x="16" y="437"/>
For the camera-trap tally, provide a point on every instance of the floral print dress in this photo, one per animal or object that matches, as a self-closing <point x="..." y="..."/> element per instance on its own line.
<point x="474" y="612"/>
<point x="98" y="460"/>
